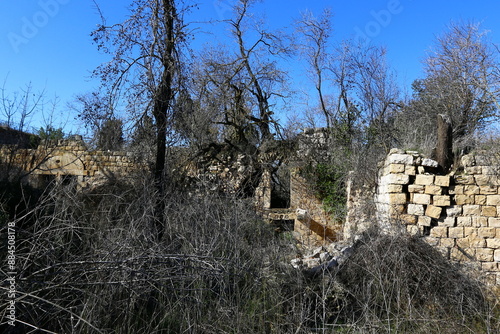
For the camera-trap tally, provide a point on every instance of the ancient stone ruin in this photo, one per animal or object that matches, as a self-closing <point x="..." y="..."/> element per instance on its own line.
<point x="458" y="213"/>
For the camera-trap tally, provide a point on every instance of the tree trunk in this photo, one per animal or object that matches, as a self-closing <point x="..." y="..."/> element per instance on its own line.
<point x="444" y="147"/>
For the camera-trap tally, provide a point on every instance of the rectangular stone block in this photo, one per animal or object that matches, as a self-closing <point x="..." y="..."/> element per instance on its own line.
<point x="396" y="168"/>
<point x="415" y="209"/>
<point x="416" y="188"/>
<point x="442" y="180"/>
<point x="453" y="211"/>
<point x="464" y="199"/>
<point x="442" y="200"/>
<point x="424" y="199"/>
<point x="458" y="254"/>
<point x="448" y="221"/>
<point x="473" y="170"/>
<point x="485" y="254"/>
<point x="493" y="222"/>
<point x="456" y="232"/>
<point x="395" y="179"/>
<point x="447" y="242"/>
<point x="424" y="221"/>
<point x="429" y="163"/>
<point x="395" y="210"/>
<point x="404" y="159"/>
<point x="464" y="179"/>
<point x="471" y="190"/>
<point x="409" y="219"/>
<point x="496" y="255"/>
<point x="472" y="210"/>
<point x="489" y="211"/>
<point x="493" y="200"/>
<point x="479" y="221"/>
<point x="412" y="229"/>
<point x="464" y="221"/>
<point x="456" y="190"/>
<point x="410" y="170"/>
<point x="493" y="243"/>
<point x="471" y="241"/>
<point x="433" y="190"/>
<point x="394" y="188"/>
<point x="424" y="180"/>
<point x="439" y="232"/>
<point x="480" y="199"/>
<point x="433" y="211"/>
<point x="486" y="232"/>
<point x="489" y="266"/>
<point x="488" y="190"/>
<point x="482" y="180"/>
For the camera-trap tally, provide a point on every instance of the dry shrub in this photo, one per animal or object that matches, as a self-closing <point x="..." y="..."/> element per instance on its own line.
<point x="399" y="283"/>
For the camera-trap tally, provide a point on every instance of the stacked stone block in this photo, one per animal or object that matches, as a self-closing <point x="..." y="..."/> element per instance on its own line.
<point x="458" y="213"/>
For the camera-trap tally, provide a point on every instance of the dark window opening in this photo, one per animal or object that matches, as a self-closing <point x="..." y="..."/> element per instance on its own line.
<point x="280" y="191"/>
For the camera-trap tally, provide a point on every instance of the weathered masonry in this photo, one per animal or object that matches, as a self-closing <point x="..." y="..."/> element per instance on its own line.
<point x="459" y="213"/>
<point x="66" y="159"/>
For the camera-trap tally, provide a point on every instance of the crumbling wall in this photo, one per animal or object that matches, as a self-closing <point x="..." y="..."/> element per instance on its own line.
<point x="70" y="157"/>
<point x="459" y="213"/>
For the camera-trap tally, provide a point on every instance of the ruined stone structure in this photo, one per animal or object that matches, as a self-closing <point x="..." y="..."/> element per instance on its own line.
<point x="459" y="213"/>
<point x="66" y="159"/>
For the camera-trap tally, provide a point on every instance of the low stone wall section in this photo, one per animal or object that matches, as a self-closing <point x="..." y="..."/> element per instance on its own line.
<point x="458" y="213"/>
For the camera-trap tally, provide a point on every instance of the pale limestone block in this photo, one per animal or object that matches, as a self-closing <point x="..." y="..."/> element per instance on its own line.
<point x="456" y="232"/>
<point x="493" y="222"/>
<point x="456" y="190"/>
<point x="496" y="255"/>
<point x="453" y="211"/>
<point x="468" y="160"/>
<point x="433" y="190"/>
<point x="420" y="170"/>
<point x="464" y="199"/>
<point x="471" y="241"/>
<point x="416" y="209"/>
<point x="489" y="266"/>
<point x="424" y="199"/>
<point x="486" y="232"/>
<point x="412" y="229"/>
<point x="485" y="254"/>
<point x="482" y="180"/>
<point x="471" y="190"/>
<point x="490" y="170"/>
<point x="439" y="232"/>
<point x="442" y="180"/>
<point x="442" y="200"/>
<point x="430" y="163"/>
<point x="459" y="256"/>
<point x="479" y="221"/>
<point x="409" y="219"/>
<point x="480" y="199"/>
<point x="472" y="210"/>
<point x="489" y="211"/>
<point x="395" y="179"/>
<point x="493" y="243"/>
<point x="493" y="200"/>
<point x="394" y="188"/>
<point x="488" y="190"/>
<point x="470" y="231"/>
<point x="464" y="179"/>
<point x="396" y="168"/>
<point x="448" y="221"/>
<point x="424" y="180"/>
<point x="404" y="159"/>
<point x="464" y="221"/>
<point x="473" y="170"/>
<point x="395" y="210"/>
<point x="447" y="242"/>
<point x="416" y="188"/>
<point x="431" y="241"/>
<point x="424" y="221"/>
<point x="410" y="170"/>
<point x="433" y="211"/>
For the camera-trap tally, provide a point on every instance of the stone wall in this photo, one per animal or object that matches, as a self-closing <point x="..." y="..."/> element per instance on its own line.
<point x="458" y="213"/>
<point x="70" y="157"/>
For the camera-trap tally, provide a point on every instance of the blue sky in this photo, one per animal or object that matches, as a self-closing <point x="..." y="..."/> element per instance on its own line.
<point x="48" y="43"/>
